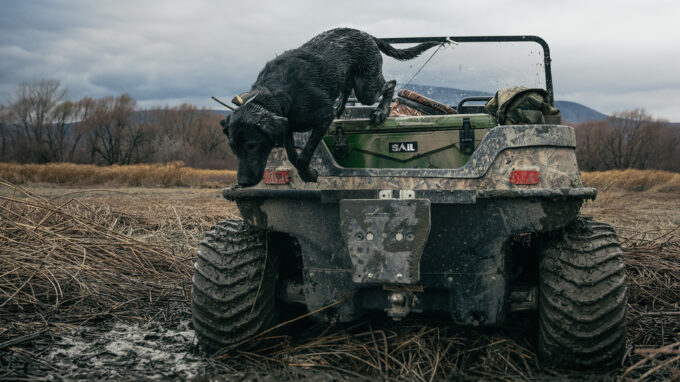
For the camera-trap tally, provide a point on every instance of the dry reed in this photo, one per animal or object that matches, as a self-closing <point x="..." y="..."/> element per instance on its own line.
<point x="62" y="257"/>
<point x="633" y="180"/>
<point x="65" y="261"/>
<point x="173" y="174"/>
<point x="416" y="349"/>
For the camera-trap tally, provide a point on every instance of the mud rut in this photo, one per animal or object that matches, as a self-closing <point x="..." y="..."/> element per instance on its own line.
<point x="164" y="349"/>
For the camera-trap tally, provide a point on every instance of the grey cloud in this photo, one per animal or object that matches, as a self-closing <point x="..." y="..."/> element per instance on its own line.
<point x="174" y="51"/>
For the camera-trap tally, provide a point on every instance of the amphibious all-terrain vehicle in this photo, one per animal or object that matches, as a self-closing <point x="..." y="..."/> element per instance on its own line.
<point x="468" y="212"/>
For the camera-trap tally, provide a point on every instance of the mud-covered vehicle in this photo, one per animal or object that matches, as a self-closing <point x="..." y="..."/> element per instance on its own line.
<point x="448" y="209"/>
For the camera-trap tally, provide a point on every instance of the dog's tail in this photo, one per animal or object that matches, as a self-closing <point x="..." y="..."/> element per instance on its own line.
<point x="404" y="54"/>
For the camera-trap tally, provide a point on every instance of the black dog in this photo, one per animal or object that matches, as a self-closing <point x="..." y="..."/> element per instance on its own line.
<point x="296" y="92"/>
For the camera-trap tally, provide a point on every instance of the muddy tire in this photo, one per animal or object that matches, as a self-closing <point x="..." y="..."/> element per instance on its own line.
<point x="233" y="291"/>
<point x="582" y="305"/>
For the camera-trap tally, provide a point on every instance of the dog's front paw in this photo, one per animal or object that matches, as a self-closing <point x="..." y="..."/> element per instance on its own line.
<point x="378" y="116"/>
<point x="309" y="175"/>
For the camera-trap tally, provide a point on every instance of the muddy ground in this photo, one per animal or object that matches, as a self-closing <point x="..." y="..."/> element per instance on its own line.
<point x="158" y="344"/>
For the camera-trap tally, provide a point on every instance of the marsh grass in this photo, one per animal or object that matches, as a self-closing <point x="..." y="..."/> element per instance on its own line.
<point x="633" y="180"/>
<point x="173" y="174"/>
<point x="65" y="262"/>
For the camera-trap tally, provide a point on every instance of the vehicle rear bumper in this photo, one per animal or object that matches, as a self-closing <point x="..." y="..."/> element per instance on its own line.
<point x="435" y="196"/>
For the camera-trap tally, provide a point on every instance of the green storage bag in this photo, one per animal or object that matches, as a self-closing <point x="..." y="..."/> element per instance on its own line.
<point x="520" y="105"/>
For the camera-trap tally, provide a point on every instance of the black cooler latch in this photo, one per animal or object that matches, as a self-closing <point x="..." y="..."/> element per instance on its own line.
<point x="467" y="138"/>
<point x="340" y="150"/>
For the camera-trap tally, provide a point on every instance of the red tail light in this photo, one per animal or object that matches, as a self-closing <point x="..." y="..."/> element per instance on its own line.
<point x="524" y="177"/>
<point x="276" y="177"/>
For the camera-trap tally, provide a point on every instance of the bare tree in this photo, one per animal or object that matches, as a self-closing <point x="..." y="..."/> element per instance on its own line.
<point x="4" y="132"/>
<point x="63" y="135"/>
<point x="632" y="139"/>
<point x="113" y="136"/>
<point x="106" y="127"/>
<point x="32" y="110"/>
<point x="191" y="135"/>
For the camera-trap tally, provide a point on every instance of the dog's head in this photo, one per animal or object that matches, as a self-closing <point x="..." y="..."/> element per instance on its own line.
<point x="253" y="131"/>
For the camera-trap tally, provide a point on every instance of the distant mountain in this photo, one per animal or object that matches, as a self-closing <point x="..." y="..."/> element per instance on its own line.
<point x="573" y="112"/>
<point x="577" y="113"/>
<point x="222" y="112"/>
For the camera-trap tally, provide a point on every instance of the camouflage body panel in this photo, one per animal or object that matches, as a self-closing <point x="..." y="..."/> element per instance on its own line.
<point x="557" y="166"/>
<point x="465" y="266"/>
<point x="437" y="141"/>
<point x="548" y="149"/>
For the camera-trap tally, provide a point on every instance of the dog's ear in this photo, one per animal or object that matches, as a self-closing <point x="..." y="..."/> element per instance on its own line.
<point x="275" y="128"/>
<point x="225" y="124"/>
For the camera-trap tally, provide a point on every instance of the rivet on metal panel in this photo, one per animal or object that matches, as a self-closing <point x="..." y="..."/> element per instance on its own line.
<point x="369" y="236"/>
<point x="369" y="275"/>
<point x="399" y="236"/>
<point x="385" y="194"/>
<point x="407" y="194"/>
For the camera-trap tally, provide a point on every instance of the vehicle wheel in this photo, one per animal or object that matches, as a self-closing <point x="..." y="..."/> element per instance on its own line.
<point x="582" y="305"/>
<point x="233" y="293"/>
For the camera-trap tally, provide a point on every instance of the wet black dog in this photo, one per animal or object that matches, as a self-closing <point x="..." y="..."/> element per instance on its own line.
<point x="297" y="90"/>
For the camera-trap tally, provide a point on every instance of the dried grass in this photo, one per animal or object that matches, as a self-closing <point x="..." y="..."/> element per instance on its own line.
<point x="633" y="180"/>
<point x="67" y="261"/>
<point x="653" y="268"/>
<point x="417" y="349"/>
<point x="70" y="262"/>
<point x="173" y="174"/>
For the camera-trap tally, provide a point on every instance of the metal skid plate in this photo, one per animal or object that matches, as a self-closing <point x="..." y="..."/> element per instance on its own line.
<point x="385" y="238"/>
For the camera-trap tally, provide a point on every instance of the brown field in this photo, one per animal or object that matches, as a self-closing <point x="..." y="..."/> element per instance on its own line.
<point x="81" y="249"/>
<point x="173" y="174"/>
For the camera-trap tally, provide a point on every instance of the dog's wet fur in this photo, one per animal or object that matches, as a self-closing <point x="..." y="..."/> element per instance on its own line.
<point x="297" y="90"/>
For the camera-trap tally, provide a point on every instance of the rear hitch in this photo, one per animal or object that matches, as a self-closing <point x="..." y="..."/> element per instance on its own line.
<point x="401" y="305"/>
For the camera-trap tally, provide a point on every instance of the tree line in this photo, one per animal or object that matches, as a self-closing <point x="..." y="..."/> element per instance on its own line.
<point x="38" y="125"/>
<point x="631" y="139"/>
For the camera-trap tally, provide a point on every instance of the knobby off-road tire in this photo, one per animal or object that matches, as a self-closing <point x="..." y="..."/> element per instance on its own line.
<point x="582" y="305"/>
<point x="233" y="293"/>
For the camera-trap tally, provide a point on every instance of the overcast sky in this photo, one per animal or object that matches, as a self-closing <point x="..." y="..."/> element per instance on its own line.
<point x="609" y="55"/>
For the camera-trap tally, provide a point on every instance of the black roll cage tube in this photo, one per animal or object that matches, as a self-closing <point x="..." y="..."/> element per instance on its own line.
<point x="464" y="39"/>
